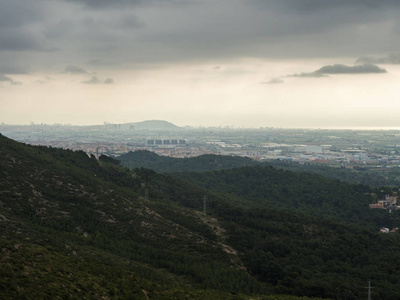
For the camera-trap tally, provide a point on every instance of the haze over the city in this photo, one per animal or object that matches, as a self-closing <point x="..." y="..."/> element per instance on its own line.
<point x="280" y="63"/>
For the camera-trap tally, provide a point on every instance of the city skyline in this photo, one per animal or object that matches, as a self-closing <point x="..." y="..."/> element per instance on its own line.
<point x="289" y="64"/>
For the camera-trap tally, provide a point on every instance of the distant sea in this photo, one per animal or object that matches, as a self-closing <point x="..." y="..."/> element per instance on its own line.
<point x="357" y="128"/>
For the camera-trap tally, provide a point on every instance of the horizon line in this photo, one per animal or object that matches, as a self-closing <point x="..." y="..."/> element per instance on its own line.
<point x="232" y="127"/>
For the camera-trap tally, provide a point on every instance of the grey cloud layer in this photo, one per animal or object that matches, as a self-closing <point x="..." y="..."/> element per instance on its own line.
<point x="389" y="59"/>
<point x="96" y="4"/>
<point x="125" y="33"/>
<point x="96" y="80"/>
<point x="117" y="4"/>
<point x="273" y="81"/>
<point x="74" y="70"/>
<point x="93" y="80"/>
<point x="5" y="78"/>
<point x="342" y="69"/>
<point x="318" y="5"/>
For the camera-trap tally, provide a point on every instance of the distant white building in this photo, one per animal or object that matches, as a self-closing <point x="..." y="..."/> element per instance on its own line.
<point x="308" y="149"/>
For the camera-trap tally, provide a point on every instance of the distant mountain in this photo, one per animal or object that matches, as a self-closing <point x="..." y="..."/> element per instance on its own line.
<point x="75" y="227"/>
<point x="165" y="164"/>
<point x="154" y="125"/>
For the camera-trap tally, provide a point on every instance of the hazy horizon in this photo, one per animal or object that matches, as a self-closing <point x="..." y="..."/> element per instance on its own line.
<point x="216" y="126"/>
<point x="246" y="64"/>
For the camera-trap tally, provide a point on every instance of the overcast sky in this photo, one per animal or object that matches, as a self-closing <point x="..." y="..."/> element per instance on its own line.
<point x="242" y="63"/>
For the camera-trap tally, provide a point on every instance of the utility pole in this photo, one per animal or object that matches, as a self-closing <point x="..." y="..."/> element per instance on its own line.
<point x="369" y="290"/>
<point x="146" y="195"/>
<point x="204" y="204"/>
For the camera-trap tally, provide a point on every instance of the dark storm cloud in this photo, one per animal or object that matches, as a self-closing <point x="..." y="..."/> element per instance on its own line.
<point x="12" y="67"/>
<point x="342" y="69"/>
<point x="389" y="59"/>
<point x="74" y="70"/>
<point x="17" y="13"/>
<point x="18" y="40"/>
<point x="296" y="5"/>
<point x="106" y="3"/>
<point x="317" y="15"/>
<point x="58" y="30"/>
<point x="117" y="4"/>
<point x="127" y="22"/>
<point x="111" y="23"/>
<point x="272" y="28"/>
<point x="16" y="30"/>
<point x="312" y="6"/>
<point x="128" y="33"/>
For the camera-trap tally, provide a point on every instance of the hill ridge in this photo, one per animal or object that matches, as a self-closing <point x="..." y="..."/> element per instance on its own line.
<point x="78" y="227"/>
<point x="166" y="164"/>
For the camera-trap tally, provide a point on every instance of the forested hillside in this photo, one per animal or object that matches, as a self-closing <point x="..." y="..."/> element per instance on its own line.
<point x="165" y="164"/>
<point x="72" y="226"/>
<point x="90" y="221"/>
<point x="210" y="162"/>
<point x="357" y="175"/>
<point x="297" y="192"/>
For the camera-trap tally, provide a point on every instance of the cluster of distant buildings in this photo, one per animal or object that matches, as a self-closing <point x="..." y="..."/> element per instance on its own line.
<point x="359" y="149"/>
<point x="165" y="142"/>
<point x="182" y="147"/>
<point x="390" y="203"/>
<point x="387" y="230"/>
<point x="323" y="154"/>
